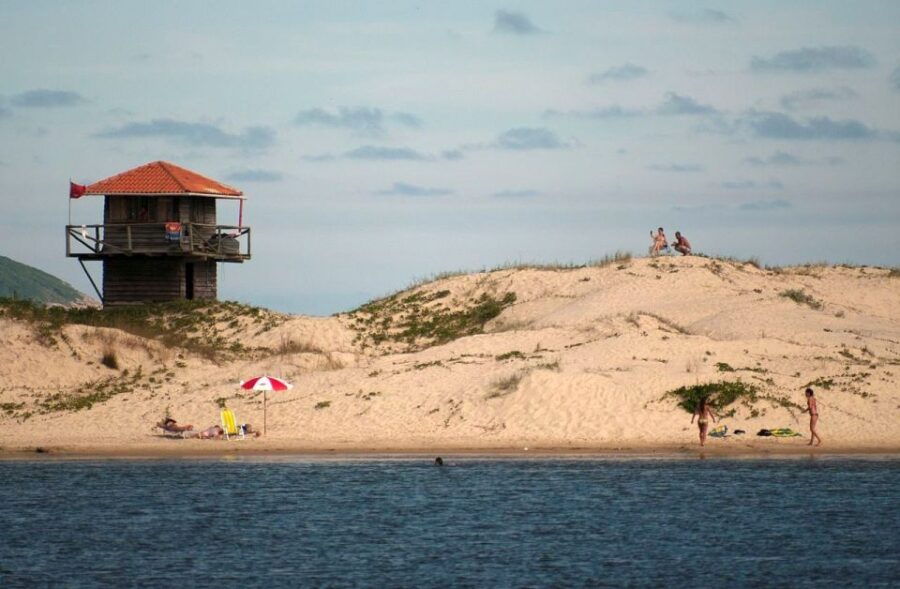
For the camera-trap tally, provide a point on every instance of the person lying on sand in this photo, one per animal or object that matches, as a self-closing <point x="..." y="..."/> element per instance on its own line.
<point x="213" y="432"/>
<point x="249" y="431"/>
<point x="170" y="425"/>
<point x="682" y="245"/>
<point x="705" y="412"/>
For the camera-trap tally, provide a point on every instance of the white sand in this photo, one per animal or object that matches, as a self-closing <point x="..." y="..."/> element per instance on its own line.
<point x="601" y="346"/>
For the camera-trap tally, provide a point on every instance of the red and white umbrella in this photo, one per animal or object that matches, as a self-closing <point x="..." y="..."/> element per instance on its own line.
<point x="266" y="384"/>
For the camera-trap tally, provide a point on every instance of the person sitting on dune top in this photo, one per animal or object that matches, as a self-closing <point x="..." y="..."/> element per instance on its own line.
<point x="659" y="242"/>
<point x="682" y="245"/>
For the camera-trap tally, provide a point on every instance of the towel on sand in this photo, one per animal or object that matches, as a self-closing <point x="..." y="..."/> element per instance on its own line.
<point x="719" y="432"/>
<point x="781" y="432"/>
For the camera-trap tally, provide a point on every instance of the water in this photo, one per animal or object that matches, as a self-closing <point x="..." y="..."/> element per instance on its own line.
<point x="473" y="523"/>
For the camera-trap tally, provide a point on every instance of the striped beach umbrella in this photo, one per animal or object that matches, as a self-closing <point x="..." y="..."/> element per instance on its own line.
<point x="266" y="384"/>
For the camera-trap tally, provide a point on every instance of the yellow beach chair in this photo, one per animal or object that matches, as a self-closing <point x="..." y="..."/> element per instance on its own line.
<point x="229" y="424"/>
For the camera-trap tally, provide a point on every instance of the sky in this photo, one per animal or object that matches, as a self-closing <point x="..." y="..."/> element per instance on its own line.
<point x="380" y="143"/>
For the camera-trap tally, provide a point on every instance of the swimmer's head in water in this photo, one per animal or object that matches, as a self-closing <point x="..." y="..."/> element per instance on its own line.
<point x="439" y="461"/>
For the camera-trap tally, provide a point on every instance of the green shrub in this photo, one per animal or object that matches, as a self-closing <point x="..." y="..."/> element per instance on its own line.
<point x="110" y="359"/>
<point x="720" y="394"/>
<point x="801" y="298"/>
<point x="505" y="386"/>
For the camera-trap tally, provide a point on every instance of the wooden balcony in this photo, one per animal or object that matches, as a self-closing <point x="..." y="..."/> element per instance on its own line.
<point x="222" y="243"/>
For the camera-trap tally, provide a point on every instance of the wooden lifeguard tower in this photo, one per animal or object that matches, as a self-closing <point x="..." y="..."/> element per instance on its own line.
<point x="159" y="240"/>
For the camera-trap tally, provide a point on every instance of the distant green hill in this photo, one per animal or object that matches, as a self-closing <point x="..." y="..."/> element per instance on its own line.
<point x="21" y="281"/>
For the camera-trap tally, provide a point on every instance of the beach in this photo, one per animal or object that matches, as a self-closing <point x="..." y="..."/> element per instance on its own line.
<point x="574" y="360"/>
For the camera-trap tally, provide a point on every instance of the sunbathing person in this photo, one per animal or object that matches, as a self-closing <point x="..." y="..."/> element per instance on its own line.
<point x="705" y="412"/>
<point x="171" y="426"/>
<point x="682" y="245"/>
<point x="249" y="431"/>
<point x="213" y="432"/>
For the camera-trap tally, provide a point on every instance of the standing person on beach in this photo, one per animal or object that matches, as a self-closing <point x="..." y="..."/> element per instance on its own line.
<point x="705" y="412"/>
<point x="813" y="409"/>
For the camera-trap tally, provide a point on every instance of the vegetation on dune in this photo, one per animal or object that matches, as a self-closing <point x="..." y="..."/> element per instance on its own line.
<point x="505" y="386"/>
<point x="724" y="394"/>
<point x="423" y="319"/>
<point x="418" y="317"/>
<point x="620" y="258"/>
<point x="800" y="297"/>
<point x="210" y="328"/>
<point x="91" y="393"/>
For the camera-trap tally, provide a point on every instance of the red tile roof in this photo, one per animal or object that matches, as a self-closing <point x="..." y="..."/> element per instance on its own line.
<point x="161" y="178"/>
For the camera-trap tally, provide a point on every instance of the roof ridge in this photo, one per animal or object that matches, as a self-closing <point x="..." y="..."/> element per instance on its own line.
<point x="165" y="166"/>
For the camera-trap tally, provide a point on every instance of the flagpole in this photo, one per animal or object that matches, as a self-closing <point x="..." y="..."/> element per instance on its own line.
<point x="70" y="201"/>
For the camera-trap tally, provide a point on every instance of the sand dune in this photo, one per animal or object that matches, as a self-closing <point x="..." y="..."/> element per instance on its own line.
<point x="582" y="358"/>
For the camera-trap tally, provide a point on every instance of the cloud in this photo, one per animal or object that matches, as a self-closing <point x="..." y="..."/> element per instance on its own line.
<point x="607" y="112"/>
<point x="776" y="125"/>
<point x="676" y="167"/>
<point x="373" y="152"/>
<point x="895" y="78"/>
<point x="675" y="104"/>
<point x="516" y="193"/>
<point x="321" y="157"/>
<point x="751" y="184"/>
<point x="703" y="16"/>
<point x="385" y="153"/>
<point x="815" y="59"/>
<point x="193" y="134"/>
<point x="408" y="119"/>
<point x="47" y="99"/>
<point x="806" y="97"/>
<point x="404" y="189"/>
<point x="255" y="176"/>
<point x="525" y="138"/>
<point x="361" y="119"/>
<point x="514" y="23"/>
<point x="626" y="72"/>
<point x="784" y="159"/>
<point x="698" y="209"/>
<point x="766" y="205"/>
<point x="4" y="112"/>
<point x="779" y="158"/>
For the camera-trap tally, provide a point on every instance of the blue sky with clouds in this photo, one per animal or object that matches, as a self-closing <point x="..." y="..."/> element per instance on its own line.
<point x="383" y="142"/>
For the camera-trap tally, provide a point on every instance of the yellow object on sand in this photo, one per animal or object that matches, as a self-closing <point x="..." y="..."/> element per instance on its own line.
<point x="229" y="424"/>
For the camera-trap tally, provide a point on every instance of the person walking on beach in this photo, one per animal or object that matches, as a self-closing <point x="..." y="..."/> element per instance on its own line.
<point x="705" y="412"/>
<point x="813" y="409"/>
<point x="682" y="245"/>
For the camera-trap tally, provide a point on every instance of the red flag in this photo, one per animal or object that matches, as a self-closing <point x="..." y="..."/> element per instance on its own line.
<point x="76" y="190"/>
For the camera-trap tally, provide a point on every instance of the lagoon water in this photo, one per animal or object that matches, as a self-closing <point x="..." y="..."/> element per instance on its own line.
<point x="472" y="523"/>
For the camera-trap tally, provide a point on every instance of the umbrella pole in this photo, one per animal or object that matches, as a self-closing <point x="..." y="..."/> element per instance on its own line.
<point x="265" y="398"/>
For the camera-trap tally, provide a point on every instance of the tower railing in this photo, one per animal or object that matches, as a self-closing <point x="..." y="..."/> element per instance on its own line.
<point x="227" y="243"/>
